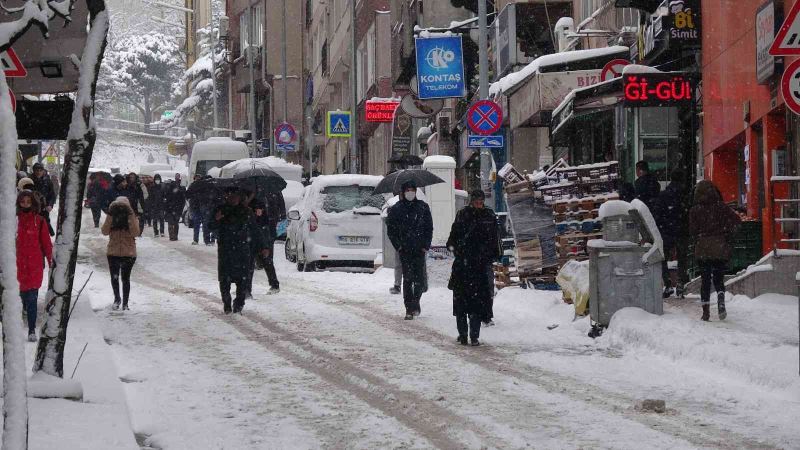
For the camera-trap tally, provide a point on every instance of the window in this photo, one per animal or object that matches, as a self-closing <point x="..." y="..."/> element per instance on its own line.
<point x="346" y="198"/>
<point x="258" y="25"/>
<point x="658" y="139"/>
<point x="371" y="56"/>
<point x="244" y="36"/>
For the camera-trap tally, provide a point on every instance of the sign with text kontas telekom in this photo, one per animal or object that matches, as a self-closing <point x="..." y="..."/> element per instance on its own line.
<point x="657" y="89"/>
<point x="440" y="67"/>
<point x="380" y="111"/>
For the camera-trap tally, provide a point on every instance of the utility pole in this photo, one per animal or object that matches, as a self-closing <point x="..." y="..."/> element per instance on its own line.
<point x="483" y="62"/>
<point x="214" y="74"/>
<point x="284" y="70"/>
<point x="252" y="63"/>
<point x="354" y="93"/>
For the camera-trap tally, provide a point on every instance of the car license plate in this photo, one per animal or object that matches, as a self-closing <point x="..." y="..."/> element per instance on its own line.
<point x="353" y="240"/>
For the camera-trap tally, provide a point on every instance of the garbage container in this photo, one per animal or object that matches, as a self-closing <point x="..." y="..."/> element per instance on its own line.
<point x="622" y="272"/>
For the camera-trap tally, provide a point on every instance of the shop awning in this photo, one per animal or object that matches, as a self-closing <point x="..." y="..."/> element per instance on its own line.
<point x="537" y="89"/>
<point x="583" y="101"/>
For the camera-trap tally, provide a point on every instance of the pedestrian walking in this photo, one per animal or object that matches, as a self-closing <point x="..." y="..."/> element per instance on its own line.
<point x="44" y="186"/>
<point x="156" y="205"/>
<point x="711" y="225"/>
<point x="474" y="242"/>
<point x="33" y="248"/>
<point x="136" y="197"/>
<point x="646" y="185"/>
<point x="237" y="237"/>
<point x="670" y="212"/>
<point x="267" y="236"/>
<point x="410" y="228"/>
<point x="200" y="216"/>
<point x="174" y="202"/>
<point x="96" y="197"/>
<point x="122" y="228"/>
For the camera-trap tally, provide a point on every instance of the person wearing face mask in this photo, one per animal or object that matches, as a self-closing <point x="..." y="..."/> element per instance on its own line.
<point x="33" y="248"/>
<point x="155" y="205"/>
<point x="474" y="241"/>
<point x="174" y="201"/>
<point x="410" y="228"/>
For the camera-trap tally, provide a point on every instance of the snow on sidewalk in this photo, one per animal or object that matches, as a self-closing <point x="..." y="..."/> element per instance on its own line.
<point x="100" y="421"/>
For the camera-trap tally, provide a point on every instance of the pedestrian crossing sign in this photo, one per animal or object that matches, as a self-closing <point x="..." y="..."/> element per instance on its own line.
<point x="338" y="124"/>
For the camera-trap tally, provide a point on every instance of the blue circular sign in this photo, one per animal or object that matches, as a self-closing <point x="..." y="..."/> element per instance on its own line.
<point x="485" y="117"/>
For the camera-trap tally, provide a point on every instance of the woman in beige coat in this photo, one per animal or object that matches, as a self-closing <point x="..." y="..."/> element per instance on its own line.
<point x="122" y="227"/>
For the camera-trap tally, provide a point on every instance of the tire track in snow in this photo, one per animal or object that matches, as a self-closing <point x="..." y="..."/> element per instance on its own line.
<point x="430" y="420"/>
<point x="676" y="425"/>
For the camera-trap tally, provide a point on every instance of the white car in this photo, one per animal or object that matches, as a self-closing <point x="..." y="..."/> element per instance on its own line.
<point x="337" y="223"/>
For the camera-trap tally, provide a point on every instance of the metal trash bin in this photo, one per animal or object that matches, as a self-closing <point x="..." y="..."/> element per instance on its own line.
<point x="618" y="276"/>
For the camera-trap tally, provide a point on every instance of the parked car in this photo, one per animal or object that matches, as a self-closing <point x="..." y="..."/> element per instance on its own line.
<point x="337" y="223"/>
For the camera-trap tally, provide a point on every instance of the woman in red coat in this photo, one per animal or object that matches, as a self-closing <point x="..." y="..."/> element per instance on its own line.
<point x="33" y="247"/>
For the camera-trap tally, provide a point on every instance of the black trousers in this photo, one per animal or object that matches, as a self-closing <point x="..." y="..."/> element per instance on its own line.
<point x="225" y="290"/>
<point x="413" y="280"/>
<point x="269" y="267"/>
<point x="121" y="267"/>
<point x="711" y="271"/>
<point x="158" y="224"/>
<point x="96" y="215"/>
<point x="679" y="246"/>
<point x="172" y="226"/>
<point x="469" y="323"/>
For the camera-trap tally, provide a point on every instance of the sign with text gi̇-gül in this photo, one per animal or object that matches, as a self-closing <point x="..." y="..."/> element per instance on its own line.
<point x="380" y="111"/>
<point x="657" y="89"/>
<point x="440" y="67"/>
<point x="338" y="124"/>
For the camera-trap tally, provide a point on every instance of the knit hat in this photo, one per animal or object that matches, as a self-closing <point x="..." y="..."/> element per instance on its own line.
<point x="23" y="183"/>
<point x="477" y="194"/>
<point x="118" y="179"/>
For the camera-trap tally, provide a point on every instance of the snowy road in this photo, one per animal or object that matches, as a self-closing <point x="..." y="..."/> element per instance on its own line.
<point x="330" y="363"/>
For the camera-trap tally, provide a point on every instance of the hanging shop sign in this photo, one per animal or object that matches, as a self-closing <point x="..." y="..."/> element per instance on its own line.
<point x="684" y="23"/>
<point x="657" y="89"/>
<point x="401" y="133"/>
<point x="380" y="111"/>
<point x="440" y="67"/>
<point x="766" y="24"/>
<point x="674" y="25"/>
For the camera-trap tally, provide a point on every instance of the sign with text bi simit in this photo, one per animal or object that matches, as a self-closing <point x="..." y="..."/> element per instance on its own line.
<point x="440" y="67"/>
<point x="381" y="111"/>
<point x="657" y="89"/>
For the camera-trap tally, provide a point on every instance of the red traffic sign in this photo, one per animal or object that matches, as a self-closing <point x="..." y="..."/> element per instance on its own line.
<point x="380" y="111"/>
<point x="613" y="69"/>
<point x="12" y="66"/>
<point x="285" y="134"/>
<point x="485" y="117"/>
<point x="790" y="87"/>
<point x="787" y="42"/>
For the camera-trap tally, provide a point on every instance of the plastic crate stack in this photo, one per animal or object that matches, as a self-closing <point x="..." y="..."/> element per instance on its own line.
<point x="576" y="198"/>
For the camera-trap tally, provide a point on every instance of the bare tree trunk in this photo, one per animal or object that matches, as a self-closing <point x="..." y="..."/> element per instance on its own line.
<point x="15" y="392"/>
<point x="82" y="135"/>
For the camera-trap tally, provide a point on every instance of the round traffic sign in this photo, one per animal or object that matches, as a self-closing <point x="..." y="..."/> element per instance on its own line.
<point x="613" y="69"/>
<point x="790" y="86"/>
<point x="285" y="134"/>
<point x="485" y="117"/>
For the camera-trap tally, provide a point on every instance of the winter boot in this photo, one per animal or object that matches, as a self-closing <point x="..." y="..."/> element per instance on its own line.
<point x="273" y="291"/>
<point x="32" y="336"/>
<point x="706" y="312"/>
<point x="680" y="291"/>
<point x="668" y="292"/>
<point x="125" y="307"/>
<point x="115" y="306"/>
<point x="394" y="290"/>
<point x="721" y="306"/>
<point x="475" y="343"/>
<point x="462" y="339"/>
<point x="409" y="316"/>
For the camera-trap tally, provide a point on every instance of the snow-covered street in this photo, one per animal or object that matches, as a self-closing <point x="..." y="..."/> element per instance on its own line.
<point x="329" y="363"/>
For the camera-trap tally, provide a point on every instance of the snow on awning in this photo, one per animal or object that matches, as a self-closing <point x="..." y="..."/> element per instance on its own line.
<point x="598" y="97"/>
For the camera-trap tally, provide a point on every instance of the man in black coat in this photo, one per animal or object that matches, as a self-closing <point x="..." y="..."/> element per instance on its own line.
<point x="647" y="186"/>
<point x="410" y="228"/>
<point x="174" y="202"/>
<point x="44" y="186"/>
<point x="155" y="205"/>
<point x="474" y="241"/>
<point x="238" y="236"/>
<point x="267" y="231"/>
<point x="671" y="213"/>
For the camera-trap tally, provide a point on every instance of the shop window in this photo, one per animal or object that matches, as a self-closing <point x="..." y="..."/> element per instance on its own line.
<point x="658" y="140"/>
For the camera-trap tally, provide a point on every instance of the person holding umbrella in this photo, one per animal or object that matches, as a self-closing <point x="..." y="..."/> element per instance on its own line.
<point x="238" y="236"/>
<point x="410" y="229"/>
<point x="474" y="241"/>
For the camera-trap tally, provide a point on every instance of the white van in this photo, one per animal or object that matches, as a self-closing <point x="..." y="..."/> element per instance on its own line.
<point x="336" y="224"/>
<point x="151" y="169"/>
<point x="215" y="152"/>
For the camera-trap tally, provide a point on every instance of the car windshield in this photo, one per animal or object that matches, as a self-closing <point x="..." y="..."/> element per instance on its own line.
<point x="205" y="165"/>
<point x="346" y="198"/>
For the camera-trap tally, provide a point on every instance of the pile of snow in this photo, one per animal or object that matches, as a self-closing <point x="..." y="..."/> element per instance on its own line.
<point x="650" y="223"/>
<point x="42" y="385"/>
<point x="614" y="208"/>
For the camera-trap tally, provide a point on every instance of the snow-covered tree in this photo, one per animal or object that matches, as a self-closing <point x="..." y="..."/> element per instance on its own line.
<point x="143" y="71"/>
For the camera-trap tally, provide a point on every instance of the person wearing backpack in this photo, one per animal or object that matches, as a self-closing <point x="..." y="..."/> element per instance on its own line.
<point x="33" y="248"/>
<point x="122" y="228"/>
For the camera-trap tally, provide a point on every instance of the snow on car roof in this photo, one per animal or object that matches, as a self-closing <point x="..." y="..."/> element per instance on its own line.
<point x="323" y="181"/>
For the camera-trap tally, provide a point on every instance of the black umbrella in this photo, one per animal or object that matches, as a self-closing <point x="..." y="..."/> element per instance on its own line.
<point x="406" y="160"/>
<point x="391" y="183"/>
<point x="259" y="180"/>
